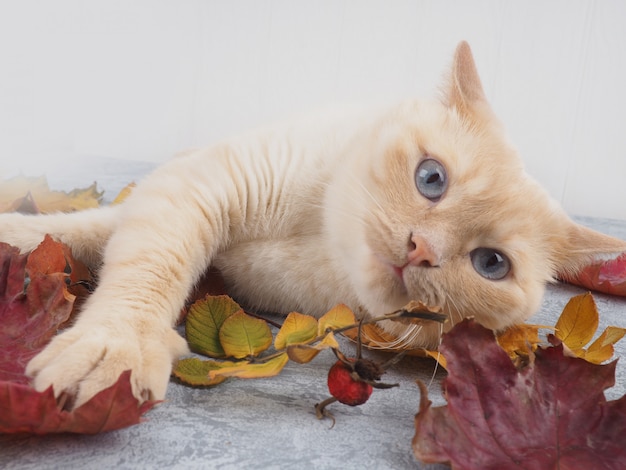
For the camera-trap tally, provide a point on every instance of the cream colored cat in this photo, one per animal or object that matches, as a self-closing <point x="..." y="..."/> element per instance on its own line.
<point x="423" y="200"/>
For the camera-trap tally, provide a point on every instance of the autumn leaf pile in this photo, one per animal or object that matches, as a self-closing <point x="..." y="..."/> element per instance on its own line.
<point x="39" y="293"/>
<point x="529" y="397"/>
<point x="34" y="196"/>
<point x="545" y="411"/>
<point x="551" y="413"/>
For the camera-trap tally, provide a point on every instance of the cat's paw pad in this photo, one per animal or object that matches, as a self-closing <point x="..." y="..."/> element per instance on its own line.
<point x="79" y="364"/>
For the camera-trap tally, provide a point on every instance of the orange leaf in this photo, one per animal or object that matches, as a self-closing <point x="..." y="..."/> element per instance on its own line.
<point x="519" y="339"/>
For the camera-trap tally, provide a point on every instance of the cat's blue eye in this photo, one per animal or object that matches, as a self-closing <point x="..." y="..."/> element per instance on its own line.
<point x="490" y="263"/>
<point x="431" y="179"/>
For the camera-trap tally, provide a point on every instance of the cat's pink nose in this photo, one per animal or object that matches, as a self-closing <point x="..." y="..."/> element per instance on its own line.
<point x="421" y="253"/>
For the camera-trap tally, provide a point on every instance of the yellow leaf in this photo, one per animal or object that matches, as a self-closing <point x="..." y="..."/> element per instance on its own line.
<point x="16" y="191"/>
<point x="338" y="317"/>
<point x="204" y="321"/>
<point x="194" y="371"/>
<point x="578" y="322"/>
<point x="297" y="328"/>
<point x="602" y="348"/>
<point x="303" y="353"/>
<point x="124" y="193"/>
<point x="611" y="335"/>
<point x="242" y="335"/>
<point x="247" y="370"/>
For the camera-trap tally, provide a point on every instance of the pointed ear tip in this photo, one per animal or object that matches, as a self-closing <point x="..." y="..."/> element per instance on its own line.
<point x="463" y="48"/>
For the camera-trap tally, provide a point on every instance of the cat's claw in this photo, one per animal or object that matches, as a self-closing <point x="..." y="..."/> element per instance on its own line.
<point x="81" y="362"/>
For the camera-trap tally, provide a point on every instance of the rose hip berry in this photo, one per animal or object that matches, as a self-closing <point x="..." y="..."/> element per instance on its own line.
<point x="347" y="385"/>
<point x="351" y="381"/>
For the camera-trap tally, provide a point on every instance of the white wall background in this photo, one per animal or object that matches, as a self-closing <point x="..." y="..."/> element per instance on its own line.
<point x="143" y="79"/>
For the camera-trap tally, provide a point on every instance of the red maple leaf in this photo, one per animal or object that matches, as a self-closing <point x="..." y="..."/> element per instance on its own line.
<point x="552" y="413"/>
<point x="602" y="276"/>
<point x="24" y="410"/>
<point x="34" y="304"/>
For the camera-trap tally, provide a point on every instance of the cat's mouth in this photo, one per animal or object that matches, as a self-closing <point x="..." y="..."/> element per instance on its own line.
<point x="415" y="283"/>
<point x="399" y="271"/>
<point x="405" y="282"/>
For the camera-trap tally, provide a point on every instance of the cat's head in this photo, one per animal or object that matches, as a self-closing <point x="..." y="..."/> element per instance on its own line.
<point x="442" y="211"/>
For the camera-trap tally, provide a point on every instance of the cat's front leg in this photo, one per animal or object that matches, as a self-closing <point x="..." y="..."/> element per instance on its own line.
<point x="85" y="232"/>
<point x="127" y="322"/>
<point x="162" y="244"/>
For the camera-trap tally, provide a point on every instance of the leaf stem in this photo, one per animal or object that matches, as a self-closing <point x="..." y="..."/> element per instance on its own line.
<point x="265" y="319"/>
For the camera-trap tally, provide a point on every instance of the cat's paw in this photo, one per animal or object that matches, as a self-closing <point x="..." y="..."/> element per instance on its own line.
<point x="82" y="361"/>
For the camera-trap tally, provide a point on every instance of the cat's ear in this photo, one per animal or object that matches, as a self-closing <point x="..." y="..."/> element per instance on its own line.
<point x="464" y="89"/>
<point x="582" y="246"/>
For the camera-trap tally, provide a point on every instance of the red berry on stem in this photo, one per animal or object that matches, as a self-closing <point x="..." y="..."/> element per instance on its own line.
<point x="352" y="379"/>
<point x="345" y="387"/>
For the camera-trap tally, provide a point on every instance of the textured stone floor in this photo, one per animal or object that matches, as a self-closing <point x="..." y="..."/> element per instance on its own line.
<point x="270" y="423"/>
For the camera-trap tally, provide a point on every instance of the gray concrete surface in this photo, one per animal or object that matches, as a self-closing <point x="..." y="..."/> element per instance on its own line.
<point x="271" y="424"/>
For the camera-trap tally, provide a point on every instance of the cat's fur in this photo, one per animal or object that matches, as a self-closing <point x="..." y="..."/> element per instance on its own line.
<point x="307" y="215"/>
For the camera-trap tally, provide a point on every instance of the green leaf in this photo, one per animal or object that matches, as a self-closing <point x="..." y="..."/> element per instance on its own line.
<point x="204" y="321"/>
<point x="248" y="370"/>
<point x="195" y="372"/>
<point x="339" y="316"/>
<point x="297" y="328"/>
<point x="242" y="335"/>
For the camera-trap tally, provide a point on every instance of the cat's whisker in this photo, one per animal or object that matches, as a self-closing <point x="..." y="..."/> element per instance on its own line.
<point x="407" y="338"/>
<point x="435" y="369"/>
<point x="451" y="308"/>
<point x="414" y="335"/>
<point x="368" y="193"/>
<point x="358" y="189"/>
<point x="410" y="336"/>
